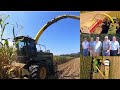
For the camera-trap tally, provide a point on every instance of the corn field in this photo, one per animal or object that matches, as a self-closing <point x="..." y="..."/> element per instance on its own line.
<point x="62" y="59"/>
<point x="85" y="67"/>
<point x="115" y="14"/>
<point x="7" y="53"/>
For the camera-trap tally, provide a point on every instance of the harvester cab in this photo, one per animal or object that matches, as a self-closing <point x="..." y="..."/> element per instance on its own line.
<point x="26" y="48"/>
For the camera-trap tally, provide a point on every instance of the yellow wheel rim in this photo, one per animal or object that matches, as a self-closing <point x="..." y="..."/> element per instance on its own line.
<point x="43" y="73"/>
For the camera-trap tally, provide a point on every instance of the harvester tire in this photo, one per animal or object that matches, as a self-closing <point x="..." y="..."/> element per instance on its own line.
<point x="38" y="71"/>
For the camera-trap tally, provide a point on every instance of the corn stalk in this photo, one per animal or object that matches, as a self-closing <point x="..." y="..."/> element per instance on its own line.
<point x="7" y="53"/>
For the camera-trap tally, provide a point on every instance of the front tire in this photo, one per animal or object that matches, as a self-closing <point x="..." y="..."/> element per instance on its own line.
<point x="38" y="71"/>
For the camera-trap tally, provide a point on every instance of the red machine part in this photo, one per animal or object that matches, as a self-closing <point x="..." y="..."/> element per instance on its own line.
<point x="95" y="25"/>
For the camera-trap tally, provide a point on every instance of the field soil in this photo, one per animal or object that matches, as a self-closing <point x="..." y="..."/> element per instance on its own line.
<point x="70" y="69"/>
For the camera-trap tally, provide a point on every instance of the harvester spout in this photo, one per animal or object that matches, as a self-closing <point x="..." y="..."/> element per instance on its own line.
<point x="52" y="22"/>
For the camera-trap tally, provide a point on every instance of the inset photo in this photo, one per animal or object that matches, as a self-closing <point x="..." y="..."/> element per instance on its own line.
<point x="107" y="68"/>
<point x="99" y="22"/>
<point x="100" y="45"/>
<point x="39" y="45"/>
<point x="101" y="67"/>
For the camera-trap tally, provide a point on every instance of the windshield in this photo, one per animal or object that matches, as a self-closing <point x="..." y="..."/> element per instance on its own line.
<point x="21" y="44"/>
<point x="21" y="48"/>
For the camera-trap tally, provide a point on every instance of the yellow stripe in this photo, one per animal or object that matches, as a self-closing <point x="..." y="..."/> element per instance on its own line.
<point x="39" y="33"/>
<point x="100" y="72"/>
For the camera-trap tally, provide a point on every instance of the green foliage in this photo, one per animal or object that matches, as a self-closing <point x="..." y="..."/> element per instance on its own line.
<point x="3" y="25"/>
<point x="62" y="59"/>
<point x="72" y="55"/>
<point x="65" y="57"/>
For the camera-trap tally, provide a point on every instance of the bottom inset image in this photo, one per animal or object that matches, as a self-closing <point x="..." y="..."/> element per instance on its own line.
<point x="106" y="67"/>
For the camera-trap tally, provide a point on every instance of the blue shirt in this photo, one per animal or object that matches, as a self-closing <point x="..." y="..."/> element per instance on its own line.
<point x="114" y="45"/>
<point x="91" y="44"/>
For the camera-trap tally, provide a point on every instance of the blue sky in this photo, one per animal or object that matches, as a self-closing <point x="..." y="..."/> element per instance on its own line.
<point x="62" y="37"/>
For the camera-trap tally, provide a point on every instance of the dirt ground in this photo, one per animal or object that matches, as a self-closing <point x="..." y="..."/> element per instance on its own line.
<point x="70" y="69"/>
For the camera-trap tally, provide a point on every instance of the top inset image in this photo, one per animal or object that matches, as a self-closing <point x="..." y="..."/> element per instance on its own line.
<point x="99" y="22"/>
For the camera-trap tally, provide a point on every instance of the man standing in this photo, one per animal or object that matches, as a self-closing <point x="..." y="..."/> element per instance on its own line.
<point x="114" y="47"/>
<point x="97" y="47"/>
<point x="85" y="46"/>
<point x="106" y="47"/>
<point x="91" y="46"/>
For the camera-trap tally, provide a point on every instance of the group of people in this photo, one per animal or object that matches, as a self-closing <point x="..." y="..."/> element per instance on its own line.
<point x="95" y="48"/>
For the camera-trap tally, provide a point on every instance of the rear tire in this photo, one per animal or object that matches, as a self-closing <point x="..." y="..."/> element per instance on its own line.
<point x="38" y="71"/>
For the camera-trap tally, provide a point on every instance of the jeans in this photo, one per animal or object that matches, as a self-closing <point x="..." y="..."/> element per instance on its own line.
<point x="113" y="52"/>
<point x="85" y="52"/>
<point x="104" y="53"/>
